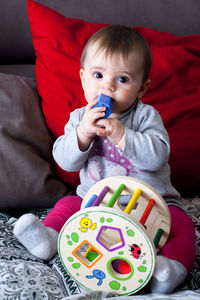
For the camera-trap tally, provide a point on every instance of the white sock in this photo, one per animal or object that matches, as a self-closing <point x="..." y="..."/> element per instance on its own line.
<point x="39" y="240"/>
<point x="168" y="275"/>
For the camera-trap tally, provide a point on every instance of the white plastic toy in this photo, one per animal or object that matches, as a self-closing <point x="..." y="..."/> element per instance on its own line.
<point x="107" y="247"/>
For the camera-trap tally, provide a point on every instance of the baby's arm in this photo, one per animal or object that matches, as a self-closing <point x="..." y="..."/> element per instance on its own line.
<point x="147" y="143"/>
<point x="71" y="150"/>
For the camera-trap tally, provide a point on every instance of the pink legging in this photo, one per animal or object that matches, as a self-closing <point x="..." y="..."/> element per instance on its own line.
<point x="181" y="242"/>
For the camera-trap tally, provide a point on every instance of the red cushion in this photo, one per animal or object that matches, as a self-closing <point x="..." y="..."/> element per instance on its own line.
<point x="175" y="89"/>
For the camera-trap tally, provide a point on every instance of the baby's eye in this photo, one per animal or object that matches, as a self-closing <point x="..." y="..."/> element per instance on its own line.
<point x="98" y="75"/>
<point x="123" y="79"/>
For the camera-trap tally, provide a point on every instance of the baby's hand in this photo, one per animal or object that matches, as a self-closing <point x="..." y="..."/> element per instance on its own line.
<point x="113" y="129"/>
<point x="88" y="126"/>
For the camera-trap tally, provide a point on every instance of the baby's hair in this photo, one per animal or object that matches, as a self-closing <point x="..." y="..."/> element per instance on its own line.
<point x="120" y="39"/>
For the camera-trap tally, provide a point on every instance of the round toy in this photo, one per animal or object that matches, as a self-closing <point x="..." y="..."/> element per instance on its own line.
<point x="106" y="246"/>
<point x="145" y="204"/>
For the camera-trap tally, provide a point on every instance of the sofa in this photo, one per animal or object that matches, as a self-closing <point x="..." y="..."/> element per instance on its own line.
<point x="41" y="43"/>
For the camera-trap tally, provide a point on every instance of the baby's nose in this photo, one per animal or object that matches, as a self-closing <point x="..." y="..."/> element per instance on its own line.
<point x="108" y="86"/>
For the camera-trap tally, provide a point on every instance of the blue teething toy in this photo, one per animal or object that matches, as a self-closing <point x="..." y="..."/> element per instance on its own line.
<point x="106" y="101"/>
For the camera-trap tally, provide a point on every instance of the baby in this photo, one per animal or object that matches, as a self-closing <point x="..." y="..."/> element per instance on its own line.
<point x="132" y="141"/>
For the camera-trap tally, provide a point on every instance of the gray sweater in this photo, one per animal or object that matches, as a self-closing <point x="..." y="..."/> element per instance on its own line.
<point x="145" y="156"/>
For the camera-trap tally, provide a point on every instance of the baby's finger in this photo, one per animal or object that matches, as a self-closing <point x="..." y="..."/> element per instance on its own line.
<point x="102" y="131"/>
<point x="90" y="105"/>
<point x="102" y="123"/>
<point x="99" y="109"/>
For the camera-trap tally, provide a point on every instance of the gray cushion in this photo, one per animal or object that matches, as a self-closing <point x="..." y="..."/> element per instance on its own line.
<point x="21" y="70"/>
<point x="27" y="179"/>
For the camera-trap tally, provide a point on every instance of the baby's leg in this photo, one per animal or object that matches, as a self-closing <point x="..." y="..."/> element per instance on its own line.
<point x="176" y="258"/>
<point x="62" y="211"/>
<point x="40" y="238"/>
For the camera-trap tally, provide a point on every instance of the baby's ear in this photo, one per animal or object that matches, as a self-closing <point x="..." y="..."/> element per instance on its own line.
<point x="144" y="88"/>
<point x="82" y="76"/>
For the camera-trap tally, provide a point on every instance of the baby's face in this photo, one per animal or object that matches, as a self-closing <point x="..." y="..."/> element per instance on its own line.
<point x="114" y="76"/>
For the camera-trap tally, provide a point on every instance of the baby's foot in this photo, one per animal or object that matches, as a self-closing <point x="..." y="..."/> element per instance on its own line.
<point x="168" y="275"/>
<point x="40" y="241"/>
